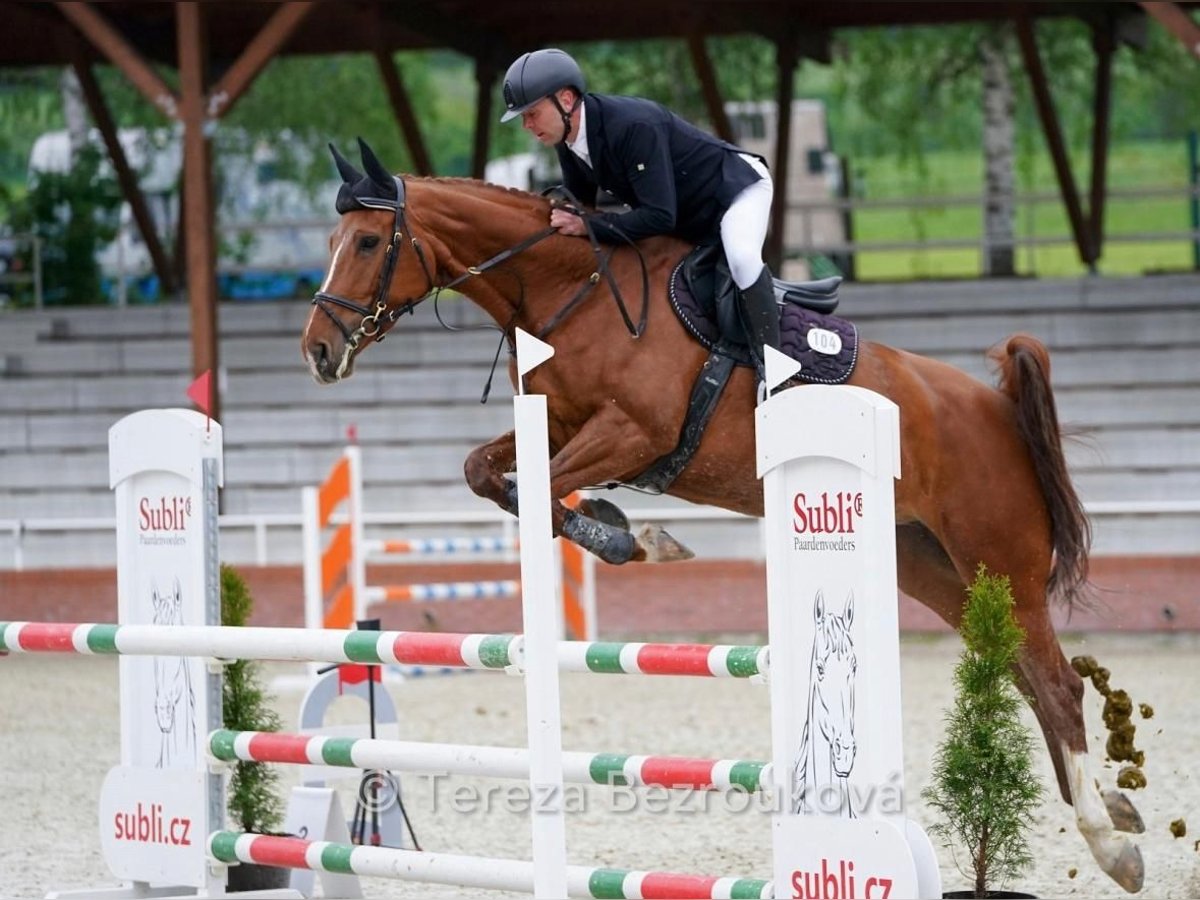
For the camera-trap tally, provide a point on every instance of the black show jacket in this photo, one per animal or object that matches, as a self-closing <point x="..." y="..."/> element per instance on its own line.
<point x="676" y="178"/>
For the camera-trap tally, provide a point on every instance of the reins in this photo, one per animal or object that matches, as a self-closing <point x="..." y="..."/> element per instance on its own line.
<point x="375" y="317"/>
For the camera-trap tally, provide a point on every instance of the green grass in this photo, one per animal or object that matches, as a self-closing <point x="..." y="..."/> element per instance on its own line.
<point x="956" y="174"/>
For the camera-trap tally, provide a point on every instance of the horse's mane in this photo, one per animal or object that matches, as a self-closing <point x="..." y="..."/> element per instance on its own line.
<point x="573" y="252"/>
<point x="489" y="191"/>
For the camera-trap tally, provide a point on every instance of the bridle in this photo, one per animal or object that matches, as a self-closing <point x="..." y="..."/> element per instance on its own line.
<point x="377" y="318"/>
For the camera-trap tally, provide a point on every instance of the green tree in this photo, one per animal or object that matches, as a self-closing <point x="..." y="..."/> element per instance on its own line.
<point x="253" y="793"/>
<point x="984" y="785"/>
<point x="74" y="214"/>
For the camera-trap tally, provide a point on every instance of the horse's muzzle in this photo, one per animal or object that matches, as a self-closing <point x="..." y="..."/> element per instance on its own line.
<point x="326" y="368"/>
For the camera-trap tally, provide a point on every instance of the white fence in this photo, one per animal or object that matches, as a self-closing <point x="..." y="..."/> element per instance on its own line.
<point x="261" y="535"/>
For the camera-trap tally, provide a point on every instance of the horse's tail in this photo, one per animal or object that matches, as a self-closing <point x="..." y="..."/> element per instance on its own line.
<point x="1024" y="366"/>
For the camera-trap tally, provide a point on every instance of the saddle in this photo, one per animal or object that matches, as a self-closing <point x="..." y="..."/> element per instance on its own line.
<point x="704" y="296"/>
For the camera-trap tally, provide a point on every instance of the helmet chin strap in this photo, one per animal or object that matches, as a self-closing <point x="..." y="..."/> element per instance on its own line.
<point x="566" y="115"/>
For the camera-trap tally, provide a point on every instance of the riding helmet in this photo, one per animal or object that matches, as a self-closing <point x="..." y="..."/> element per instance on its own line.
<point x="536" y="75"/>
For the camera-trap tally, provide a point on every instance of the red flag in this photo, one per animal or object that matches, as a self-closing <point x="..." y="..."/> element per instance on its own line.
<point x="200" y="392"/>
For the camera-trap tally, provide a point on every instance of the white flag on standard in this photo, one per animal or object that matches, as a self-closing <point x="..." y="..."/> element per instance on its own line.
<point x="531" y="353"/>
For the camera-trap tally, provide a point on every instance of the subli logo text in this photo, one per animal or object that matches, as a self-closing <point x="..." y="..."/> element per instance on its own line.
<point x="834" y="514"/>
<point x="152" y="826"/>
<point x="164" y="514"/>
<point x="837" y="884"/>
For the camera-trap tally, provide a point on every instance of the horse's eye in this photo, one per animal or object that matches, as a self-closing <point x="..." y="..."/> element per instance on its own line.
<point x="821" y="670"/>
<point x="370" y="242"/>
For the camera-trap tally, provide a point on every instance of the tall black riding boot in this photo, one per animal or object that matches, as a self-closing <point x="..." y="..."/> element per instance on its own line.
<point x="760" y="318"/>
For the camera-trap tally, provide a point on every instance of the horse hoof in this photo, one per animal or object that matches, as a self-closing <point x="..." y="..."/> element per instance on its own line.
<point x="603" y="511"/>
<point x="660" y="546"/>
<point x="1129" y="871"/>
<point x="1123" y="813"/>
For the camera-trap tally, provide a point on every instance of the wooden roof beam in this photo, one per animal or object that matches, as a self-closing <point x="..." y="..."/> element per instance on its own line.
<point x="702" y="63"/>
<point x="1176" y="20"/>
<point x="1054" y="140"/>
<point x="787" y="56"/>
<point x="423" y="18"/>
<point x="485" y="79"/>
<point x="403" y="109"/>
<point x="126" y="177"/>
<point x="101" y="34"/>
<point x="260" y="51"/>
<point x="1104" y="44"/>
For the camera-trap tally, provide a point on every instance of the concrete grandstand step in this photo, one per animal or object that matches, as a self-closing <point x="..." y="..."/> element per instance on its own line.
<point x="316" y="426"/>
<point x="103" y="392"/>
<point x="1065" y="329"/>
<point x="243" y="352"/>
<point x="50" y="501"/>
<point x="71" y="324"/>
<point x="1131" y="449"/>
<point x="1019" y="296"/>
<point x="1090" y="368"/>
<point x="1129" y="406"/>
<point x="452" y="385"/>
<point x="1137" y="485"/>
<point x="371" y="384"/>
<point x="426" y="496"/>
<point x="245" y="466"/>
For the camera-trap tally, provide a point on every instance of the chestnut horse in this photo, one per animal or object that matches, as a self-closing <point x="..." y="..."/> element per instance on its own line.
<point x="985" y="479"/>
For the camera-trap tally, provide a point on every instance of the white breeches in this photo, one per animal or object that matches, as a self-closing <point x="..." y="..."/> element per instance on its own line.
<point x="744" y="226"/>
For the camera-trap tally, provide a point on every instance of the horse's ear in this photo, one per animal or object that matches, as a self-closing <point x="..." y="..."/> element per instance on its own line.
<point x="848" y="615"/>
<point x="345" y="169"/>
<point x="819" y="608"/>
<point x="375" y="170"/>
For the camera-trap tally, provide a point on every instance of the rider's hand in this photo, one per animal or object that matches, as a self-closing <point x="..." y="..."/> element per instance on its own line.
<point x="567" y="222"/>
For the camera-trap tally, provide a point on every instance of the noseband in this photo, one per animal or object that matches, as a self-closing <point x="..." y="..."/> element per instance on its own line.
<point x="374" y="319"/>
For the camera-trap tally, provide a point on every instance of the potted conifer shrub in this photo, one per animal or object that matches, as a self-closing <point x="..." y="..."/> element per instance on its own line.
<point x="253" y="803"/>
<point x="983" y="782"/>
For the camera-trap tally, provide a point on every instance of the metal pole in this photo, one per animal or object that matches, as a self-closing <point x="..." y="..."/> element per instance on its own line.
<point x="37" y="271"/>
<point x="1194" y="199"/>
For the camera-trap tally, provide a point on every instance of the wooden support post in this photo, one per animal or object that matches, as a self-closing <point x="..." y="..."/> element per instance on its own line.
<point x="702" y="63"/>
<point x="1102" y="41"/>
<point x="402" y="107"/>
<point x="1054" y="140"/>
<point x="197" y="195"/>
<point x="485" y="77"/>
<point x="786" y="58"/>
<point x="126" y="177"/>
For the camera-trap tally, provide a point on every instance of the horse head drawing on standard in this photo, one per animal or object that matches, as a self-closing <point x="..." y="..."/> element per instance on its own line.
<point x="827" y="745"/>
<point x="174" y="699"/>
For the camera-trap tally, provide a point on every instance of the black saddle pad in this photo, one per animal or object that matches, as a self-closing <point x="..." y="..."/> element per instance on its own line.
<point x="825" y="346"/>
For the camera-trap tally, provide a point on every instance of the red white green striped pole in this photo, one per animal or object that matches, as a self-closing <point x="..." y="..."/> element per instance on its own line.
<point x="496" y="762"/>
<point x="471" y="651"/>
<point x="478" y="872"/>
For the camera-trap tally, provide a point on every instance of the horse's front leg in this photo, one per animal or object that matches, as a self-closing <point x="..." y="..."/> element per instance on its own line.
<point x="487" y="467"/>
<point x="608" y="448"/>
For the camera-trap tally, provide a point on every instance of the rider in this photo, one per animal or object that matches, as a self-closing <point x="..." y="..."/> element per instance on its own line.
<point x="676" y="178"/>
